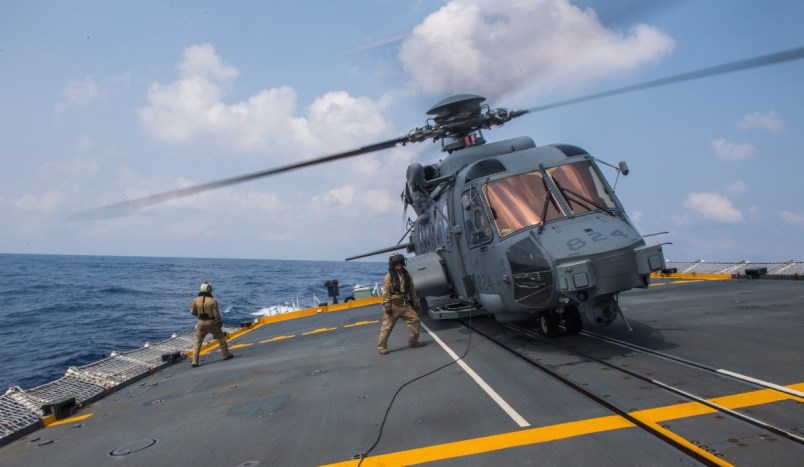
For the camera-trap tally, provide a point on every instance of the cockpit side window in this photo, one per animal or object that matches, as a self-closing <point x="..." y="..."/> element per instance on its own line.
<point x="476" y="223"/>
<point x="582" y="187"/>
<point x="520" y="201"/>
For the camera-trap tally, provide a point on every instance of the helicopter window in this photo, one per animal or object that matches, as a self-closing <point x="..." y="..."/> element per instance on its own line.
<point x="519" y="201"/>
<point x="478" y="228"/>
<point x="582" y="187"/>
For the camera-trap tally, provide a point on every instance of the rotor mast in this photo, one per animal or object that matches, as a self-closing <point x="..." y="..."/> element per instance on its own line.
<point x="459" y="119"/>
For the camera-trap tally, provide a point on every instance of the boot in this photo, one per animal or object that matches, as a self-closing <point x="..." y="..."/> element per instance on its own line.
<point x="383" y="351"/>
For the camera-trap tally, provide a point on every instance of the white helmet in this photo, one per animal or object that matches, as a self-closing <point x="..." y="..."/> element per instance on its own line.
<point x="206" y="287"/>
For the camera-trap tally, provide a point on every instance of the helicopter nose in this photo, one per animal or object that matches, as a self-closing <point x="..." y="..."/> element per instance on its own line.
<point x="531" y="273"/>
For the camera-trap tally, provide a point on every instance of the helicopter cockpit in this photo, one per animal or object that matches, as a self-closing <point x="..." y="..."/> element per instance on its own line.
<point x="526" y="200"/>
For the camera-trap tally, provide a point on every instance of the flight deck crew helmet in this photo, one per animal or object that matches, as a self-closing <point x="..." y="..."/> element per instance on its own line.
<point x="206" y="287"/>
<point x="396" y="258"/>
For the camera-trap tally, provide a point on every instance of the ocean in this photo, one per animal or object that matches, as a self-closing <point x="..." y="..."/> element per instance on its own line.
<point x="58" y="311"/>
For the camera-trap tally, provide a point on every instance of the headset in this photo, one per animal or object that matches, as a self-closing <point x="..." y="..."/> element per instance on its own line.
<point x="397" y="258"/>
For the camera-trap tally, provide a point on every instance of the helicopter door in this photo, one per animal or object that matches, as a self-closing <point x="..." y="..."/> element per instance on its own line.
<point x="480" y="261"/>
<point x="477" y="228"/>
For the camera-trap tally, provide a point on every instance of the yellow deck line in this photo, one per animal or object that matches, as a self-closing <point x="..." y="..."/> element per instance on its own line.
<point x="262" y="321"/>
<point x="692" y="275"/>
<point x="361" y="323"/>
<point x="317" y="331"/>
<point x="544" y="434"/>
<point x="278" y="338"/>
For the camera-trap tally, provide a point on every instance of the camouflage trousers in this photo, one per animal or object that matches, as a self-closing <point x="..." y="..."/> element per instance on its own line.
<point x="408" y="314"/>
<point x="203" y="328"/>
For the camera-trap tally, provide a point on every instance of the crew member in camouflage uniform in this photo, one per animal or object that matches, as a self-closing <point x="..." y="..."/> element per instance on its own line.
<point x="205" y="308"/>
<point x="399" y="300"/>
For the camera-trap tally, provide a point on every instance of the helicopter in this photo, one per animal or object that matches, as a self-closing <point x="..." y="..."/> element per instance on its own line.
<point x="515" y="230"/>
<point x="508" y="228"/>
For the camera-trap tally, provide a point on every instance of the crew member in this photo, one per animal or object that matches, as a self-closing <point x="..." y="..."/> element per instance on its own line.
<point x="399" y="300"/>
<point x="205" y="308"/>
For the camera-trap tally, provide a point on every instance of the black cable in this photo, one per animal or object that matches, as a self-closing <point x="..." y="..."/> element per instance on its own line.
<point x="388" y="409"/>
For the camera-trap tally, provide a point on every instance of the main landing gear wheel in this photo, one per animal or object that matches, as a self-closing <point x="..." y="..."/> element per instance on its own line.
<point x="548" y="321"/>
<point x="572" y="320"/>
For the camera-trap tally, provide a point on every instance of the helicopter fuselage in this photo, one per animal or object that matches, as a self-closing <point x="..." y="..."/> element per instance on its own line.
<point x="520" y="230"/>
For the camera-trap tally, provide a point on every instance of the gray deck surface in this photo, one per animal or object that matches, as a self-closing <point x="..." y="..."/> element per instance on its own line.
<point x="319" y="397"/>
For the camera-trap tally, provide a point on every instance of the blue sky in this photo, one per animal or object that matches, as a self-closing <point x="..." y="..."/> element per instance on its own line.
<point x="107" y="101"/>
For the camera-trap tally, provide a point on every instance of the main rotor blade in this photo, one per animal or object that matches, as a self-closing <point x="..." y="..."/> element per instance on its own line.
<point x="756" y="62"/>
<point x="126" y="207"/>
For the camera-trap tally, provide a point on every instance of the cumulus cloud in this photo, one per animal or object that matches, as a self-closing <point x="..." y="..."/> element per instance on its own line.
<point x="714" y="207"/>
<point x="464" y="48"/>
<point x="193" y="109"/>
<point x="769" y="121"/>
<point x="728" y="151"/>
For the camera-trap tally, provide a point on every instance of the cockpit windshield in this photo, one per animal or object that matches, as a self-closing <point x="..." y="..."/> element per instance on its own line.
<point x="520" y="201"/>
<point x="524" y="200"/>
<point x="582" y="187"/>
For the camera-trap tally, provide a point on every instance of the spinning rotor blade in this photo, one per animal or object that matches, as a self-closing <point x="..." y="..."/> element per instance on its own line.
<point x="126" y="207"/>
<point x="756" y="62"/>
<point x="436" y="132"/>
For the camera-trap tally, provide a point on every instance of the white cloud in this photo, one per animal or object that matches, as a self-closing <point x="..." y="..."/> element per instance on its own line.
<point x="79" y="93"/>
<point x="792" y="217"/>
<point x="770" y="121"/>
<point x="464" y="48"/>
<point x="192" y="109"/>
<point x="714" y="207"/>
<point x="728" y="151"/>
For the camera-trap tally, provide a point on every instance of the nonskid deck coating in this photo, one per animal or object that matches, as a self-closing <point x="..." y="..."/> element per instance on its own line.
<point x="313" y="391"/>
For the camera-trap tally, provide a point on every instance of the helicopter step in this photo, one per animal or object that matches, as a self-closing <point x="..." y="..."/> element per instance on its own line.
<point x="455" y="310"/>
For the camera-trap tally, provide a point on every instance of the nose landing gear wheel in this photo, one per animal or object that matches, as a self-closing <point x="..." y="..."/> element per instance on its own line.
<point x="548" y="321"/>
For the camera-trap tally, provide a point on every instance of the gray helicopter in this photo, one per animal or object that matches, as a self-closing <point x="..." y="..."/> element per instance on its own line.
<point x="508" y="228"/>
<point x="516" y="230"/>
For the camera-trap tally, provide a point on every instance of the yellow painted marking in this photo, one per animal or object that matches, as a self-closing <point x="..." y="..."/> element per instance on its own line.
<point x="692" y="447"/>
<point x="237" y="346"/>
<point x="692" y="275"/>
<point x="278" y="338"/>
<point x="319" y="330"/>
<point x="361" y="323"/>
<point x="77" y="418"/>
<point x="544" y="434"/>
<point x="657" y="284"/>
<point x="265" y="320"/>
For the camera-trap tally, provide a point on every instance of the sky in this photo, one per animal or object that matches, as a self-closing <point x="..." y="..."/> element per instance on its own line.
<point x="102" y="102"/>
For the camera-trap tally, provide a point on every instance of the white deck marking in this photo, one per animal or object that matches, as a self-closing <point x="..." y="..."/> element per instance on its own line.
<point x="491" y="392"/>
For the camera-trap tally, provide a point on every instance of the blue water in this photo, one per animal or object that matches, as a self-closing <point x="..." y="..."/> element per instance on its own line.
<point x="60" y="311"/>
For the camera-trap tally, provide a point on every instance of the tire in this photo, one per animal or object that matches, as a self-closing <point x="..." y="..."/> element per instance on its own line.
<point x="548" y="322"/>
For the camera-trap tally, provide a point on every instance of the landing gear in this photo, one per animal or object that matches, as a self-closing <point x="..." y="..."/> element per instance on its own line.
<point x="548" y="321"/>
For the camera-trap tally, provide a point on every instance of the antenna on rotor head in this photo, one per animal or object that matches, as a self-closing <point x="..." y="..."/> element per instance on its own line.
<point x="460" y="118"/>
